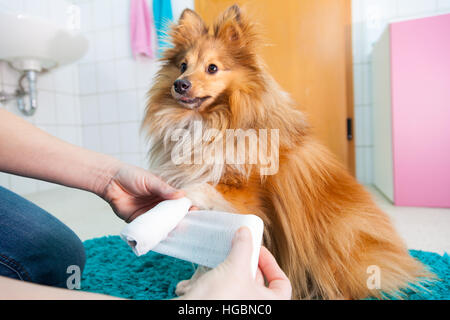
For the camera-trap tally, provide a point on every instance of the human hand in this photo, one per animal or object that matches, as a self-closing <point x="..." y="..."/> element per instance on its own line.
<point x="133" y="191"/>
<point x="232" y="279"/>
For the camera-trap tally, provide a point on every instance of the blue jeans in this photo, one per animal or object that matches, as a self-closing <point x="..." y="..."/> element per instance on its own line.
<point x="34" y="245"/>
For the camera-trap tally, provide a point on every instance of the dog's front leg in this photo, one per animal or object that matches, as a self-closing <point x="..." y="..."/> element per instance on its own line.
<point x="204" y="197"/>
<point x="185" y="286"/>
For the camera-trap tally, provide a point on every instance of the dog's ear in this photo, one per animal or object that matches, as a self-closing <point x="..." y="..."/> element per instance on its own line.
<point x="190" y="26"/>
<point x="229" y="25"/>
<point x="234" y="28"/>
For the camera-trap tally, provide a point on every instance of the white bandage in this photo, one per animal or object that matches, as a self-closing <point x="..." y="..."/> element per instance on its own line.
<point x="201" y="237"/>
<point x="150" y="228"/>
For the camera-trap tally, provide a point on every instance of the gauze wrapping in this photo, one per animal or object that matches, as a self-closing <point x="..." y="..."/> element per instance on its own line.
<point x="202" y="237"/>
<point x="147" y="230"/>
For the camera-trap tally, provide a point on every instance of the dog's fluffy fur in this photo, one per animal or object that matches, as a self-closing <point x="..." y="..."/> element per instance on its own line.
<point x="321" y="225"/>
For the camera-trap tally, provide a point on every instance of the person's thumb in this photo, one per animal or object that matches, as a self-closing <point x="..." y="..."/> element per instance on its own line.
<point x="241" y="250"/>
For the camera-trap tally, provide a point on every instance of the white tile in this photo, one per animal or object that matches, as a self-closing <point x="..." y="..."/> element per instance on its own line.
<point x="46" y="112"/>
<point x="411" y="8"/>
<point x="368" y="124"/>
<point x="45" y="81"/>
<point x="358" y="85"/>
<point x="1" y="81"/>
<point x="369" y="165"/>
<point x="126" y="74"/>
<point x="65" y="109"/>
<point x="358" y="44"/>
<point x="443" y="4"/>
<point x="58" y="12"/>
<point x="145" y="72"/>
<point x="122" y="42"/>
<point x="358" y="11"/>
<point x="64" y="79"/>
<point x="91" y="138"/>
<point x="376" y="10"/>
<point x="11" y="105"/>
<point x="142" y="102"/>
<point x="144" y="146"/>
<point x="35" y="8"/>
<point x="109" y="137"/>
<point x="127" y="105"/>
<point x="77" y="110"/>
<point x="359" y="127"/>
<point x="364" y="164"/>
<point x="129" y="137"/>
<point x="106" y="76"/>
<point x="102" y="14"/>
<point x="6" y="5"/>
<point x="372" y="34"/>
<point x="87" y="78"/>
<point x="134" y="159"/>
<point x="86" y="16"/>
<point x="367" y="84"/>
<point x="50" y="129"/>
<point x="363" y="126"/>
<point x="90" y="54"/>
<point x="70" y="134"/>
<point x="89" y="110"/>
<point x="104" y="45"/>
<point x="22" y="185"/>
<point x="179" y="5"/>
<point x="361" y="164"/>
<point x="76" y="82"/>
<point x="107" y="106"/>
<point x="9" y="75"/>
<point x="121" y="12"/>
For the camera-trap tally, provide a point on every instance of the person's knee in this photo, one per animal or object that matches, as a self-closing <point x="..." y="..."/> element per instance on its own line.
<point x="34" y="245"/>
<point x="62" y="256"/>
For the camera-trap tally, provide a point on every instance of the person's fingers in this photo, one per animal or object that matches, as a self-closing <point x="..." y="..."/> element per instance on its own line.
<point x="241" y="250"/>
<point x="259" y="279"/>
<point x="277" y="279"/>
<point x="157" y="186"/>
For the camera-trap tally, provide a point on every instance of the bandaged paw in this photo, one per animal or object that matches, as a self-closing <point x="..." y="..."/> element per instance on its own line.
<point x="201" y="237"/>
<point x="150" y="228"/>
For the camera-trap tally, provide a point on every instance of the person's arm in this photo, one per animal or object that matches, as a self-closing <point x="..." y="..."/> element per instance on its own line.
<point x="12" y="289"/>
<point x="28" y="151"/>
<point x="230" y="280"/>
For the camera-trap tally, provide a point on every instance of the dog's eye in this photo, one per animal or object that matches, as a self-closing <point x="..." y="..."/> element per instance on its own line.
<point x="212" y="68"/>
<point x="183" y="67"/>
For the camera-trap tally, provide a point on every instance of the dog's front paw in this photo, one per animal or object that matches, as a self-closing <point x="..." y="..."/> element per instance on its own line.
<point x="183" y="287"/>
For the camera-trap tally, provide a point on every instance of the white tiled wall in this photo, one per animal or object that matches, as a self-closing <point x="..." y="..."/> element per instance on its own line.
<point x="370" y="18"/>
<point x="113" y="85"/>
<point x="98" y="102"/>
<point x="56" y="11"/>
<point x="58" y="104"/>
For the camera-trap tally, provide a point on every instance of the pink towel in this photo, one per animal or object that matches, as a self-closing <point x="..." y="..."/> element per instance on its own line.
<point x="141" y="33"/>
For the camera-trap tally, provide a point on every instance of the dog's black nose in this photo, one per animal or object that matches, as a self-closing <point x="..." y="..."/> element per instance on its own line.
<point x="182" y="86"/>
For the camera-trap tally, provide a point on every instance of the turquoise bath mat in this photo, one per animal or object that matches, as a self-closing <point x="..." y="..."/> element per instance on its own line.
<point x="113" y="269"/>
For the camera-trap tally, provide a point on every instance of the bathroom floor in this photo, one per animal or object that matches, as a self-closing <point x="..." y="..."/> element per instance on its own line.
<point x="425" y="229"/>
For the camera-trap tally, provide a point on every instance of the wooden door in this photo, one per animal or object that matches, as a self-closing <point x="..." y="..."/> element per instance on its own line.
<point x="309" y="54"/>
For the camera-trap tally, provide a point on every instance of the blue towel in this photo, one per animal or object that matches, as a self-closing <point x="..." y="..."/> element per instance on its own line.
<point x="163" y="16"/>
<point x="112" y="268"/>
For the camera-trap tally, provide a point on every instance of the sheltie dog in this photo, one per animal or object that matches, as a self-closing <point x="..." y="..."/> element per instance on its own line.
<point x="323" y="227"/>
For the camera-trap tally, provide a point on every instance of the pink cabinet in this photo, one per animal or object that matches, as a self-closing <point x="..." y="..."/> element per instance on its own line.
<point x="411" y="89"/>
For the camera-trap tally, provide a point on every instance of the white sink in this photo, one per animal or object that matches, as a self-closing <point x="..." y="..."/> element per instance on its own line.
<point x="32" y="43"/>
